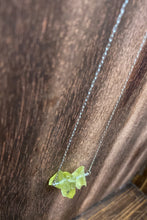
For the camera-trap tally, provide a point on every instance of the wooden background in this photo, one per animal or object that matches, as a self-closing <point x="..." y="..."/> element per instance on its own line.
<point x="127" y="203"/>
<point x="49" y="52"/>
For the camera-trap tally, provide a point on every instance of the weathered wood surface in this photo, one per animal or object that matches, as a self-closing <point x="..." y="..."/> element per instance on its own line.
<point x="49" y="52"/>
<point x="129" y="203"/>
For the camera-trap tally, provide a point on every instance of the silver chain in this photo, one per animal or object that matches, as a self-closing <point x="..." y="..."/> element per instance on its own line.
<point x="114" y="29"/>
<point x="122" y="10"/>
<point x="117" y="103"/>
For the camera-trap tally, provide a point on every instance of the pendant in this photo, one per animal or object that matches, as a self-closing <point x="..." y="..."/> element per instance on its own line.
<point x="68" y="182"/>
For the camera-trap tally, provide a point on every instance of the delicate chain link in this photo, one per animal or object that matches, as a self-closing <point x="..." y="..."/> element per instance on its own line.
<point x="117" y="103"/>
<point x="122" y="10"/>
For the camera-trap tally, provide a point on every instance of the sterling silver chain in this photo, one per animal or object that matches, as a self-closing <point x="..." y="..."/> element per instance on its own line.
<point x="117" y="103"/>
<point x="115" y="27"/>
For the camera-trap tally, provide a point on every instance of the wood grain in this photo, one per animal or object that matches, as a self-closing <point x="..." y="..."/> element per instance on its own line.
<point x="140" y="180"/>
<point x="49" y="52"/>
<point x="128" y="203"/>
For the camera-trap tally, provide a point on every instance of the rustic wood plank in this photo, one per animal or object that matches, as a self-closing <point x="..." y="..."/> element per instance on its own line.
<point x="129" y="203"/>
<point x="49" y="52"/>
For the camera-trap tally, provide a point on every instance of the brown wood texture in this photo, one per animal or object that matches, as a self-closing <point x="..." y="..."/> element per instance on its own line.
<point x="49" y="52"/>
<point x="140" y="180"/>
<point x="127" y="204"/>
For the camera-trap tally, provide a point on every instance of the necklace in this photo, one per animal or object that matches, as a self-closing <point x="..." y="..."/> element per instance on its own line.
<point x="66" y="181"/>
